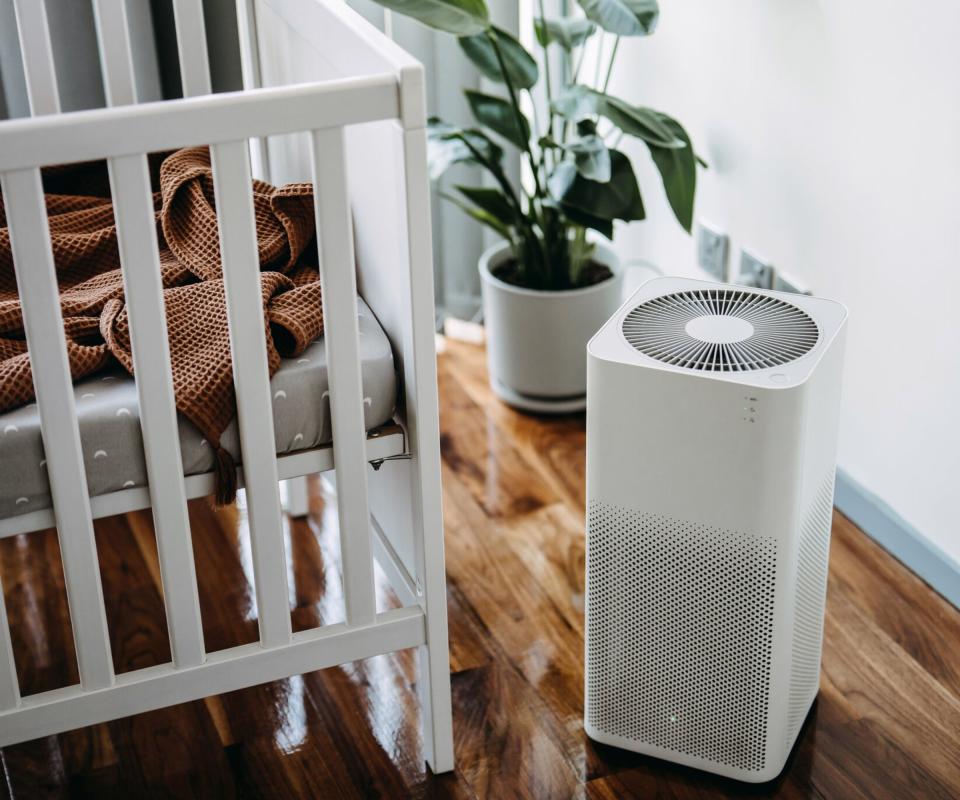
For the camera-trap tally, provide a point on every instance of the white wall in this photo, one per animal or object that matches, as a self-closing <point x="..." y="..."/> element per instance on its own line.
<point x="833" y="133"/>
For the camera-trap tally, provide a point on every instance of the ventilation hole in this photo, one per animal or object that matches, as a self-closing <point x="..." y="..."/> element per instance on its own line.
<point x="679" y="634"/>
<point x="812" y="564"/>
<point x="720" y="330"/>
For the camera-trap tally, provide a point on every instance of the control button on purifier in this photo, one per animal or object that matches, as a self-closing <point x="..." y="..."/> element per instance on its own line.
<point x="778" y="377"/>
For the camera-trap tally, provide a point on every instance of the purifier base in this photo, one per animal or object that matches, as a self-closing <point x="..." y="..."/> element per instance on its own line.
<point x="747" y="776"/>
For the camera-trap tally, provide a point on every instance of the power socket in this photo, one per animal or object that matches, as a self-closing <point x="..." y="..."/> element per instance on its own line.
<point x="755" y="271"/>
<point x="713" y="247"/>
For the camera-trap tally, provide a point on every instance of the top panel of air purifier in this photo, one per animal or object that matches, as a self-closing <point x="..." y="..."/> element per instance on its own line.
<point x="721" y="331"/>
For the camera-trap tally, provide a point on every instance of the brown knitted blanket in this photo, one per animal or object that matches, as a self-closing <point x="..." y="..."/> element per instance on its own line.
<point x="84" y="238"/>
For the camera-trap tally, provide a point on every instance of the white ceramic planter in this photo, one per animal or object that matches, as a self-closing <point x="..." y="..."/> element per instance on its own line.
<point x="536" y="340"/>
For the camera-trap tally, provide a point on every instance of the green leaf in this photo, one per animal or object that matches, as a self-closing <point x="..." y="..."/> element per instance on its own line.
<point x="546" y="143"/>
<point x="500" y="116"/>
<point x="591" y="157"/>
<point x="481" y="216"/>
<point x="580" y="101"/>
<point x="493" y="201"/>
<point x="448" y="145"/>
<point x="623" y="17"/>
<point x="678" y="168"/>
<point x="521" y="67"/>
<point x="575" y="215"/>
<point x="459" y="17"/>
<point x="618" y="198"/>
<point x="568" y="32"/>
<point x="581" y="254"/>
<point x="644" y="123"/>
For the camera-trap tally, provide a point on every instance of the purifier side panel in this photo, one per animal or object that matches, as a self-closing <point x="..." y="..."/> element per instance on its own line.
<point x="821" y="422"/>
<point x="811" y="584"/>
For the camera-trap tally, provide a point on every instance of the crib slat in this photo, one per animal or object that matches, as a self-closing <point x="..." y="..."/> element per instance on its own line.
<point x="9" y="689"/>
<point x="37" y="54"/>
<point x="335" y="237"/>
<point x="241" y="270"/>
<point x="43" y="324"/>
<point x="192" y="47"/>
<point x="250" y="68"/>
<point x="130" y="188"/>
<point x="116" y="57"/>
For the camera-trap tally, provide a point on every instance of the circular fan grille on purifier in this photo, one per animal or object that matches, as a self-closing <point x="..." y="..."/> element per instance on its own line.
<point x="724" y="330"/>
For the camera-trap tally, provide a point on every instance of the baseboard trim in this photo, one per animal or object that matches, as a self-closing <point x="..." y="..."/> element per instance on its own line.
<point x="898" y="537"/>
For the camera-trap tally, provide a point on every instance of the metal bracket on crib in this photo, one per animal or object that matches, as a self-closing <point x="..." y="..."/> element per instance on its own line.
<point x="391" y="427"/>
<point x="378" y="462"/>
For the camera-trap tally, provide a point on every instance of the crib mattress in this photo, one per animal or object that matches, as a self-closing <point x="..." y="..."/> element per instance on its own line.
<point x="110" y="435"/>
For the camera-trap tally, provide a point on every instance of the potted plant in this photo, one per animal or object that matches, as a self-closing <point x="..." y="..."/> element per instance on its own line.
<point x="549" y="285"/>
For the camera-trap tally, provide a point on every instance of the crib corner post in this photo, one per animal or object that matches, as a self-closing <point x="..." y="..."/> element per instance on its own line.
<point x="422" y="417"/>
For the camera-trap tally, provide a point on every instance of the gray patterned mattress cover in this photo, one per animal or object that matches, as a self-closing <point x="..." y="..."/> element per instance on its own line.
<point x="110" y="423"/>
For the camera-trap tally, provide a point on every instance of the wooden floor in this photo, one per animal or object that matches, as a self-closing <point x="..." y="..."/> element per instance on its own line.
<point x="887" y="722"/>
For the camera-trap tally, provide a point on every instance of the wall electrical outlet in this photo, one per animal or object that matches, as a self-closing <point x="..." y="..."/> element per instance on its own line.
<point x="754" y="271"/>
<point x="712" y="250"/>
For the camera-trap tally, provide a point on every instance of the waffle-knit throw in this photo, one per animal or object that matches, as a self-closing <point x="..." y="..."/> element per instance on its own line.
<point x="83" y="234"/>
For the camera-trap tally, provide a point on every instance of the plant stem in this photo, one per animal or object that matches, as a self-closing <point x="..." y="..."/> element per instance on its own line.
<point x="576" y="69"/>
<point x="596" y="68"/>
<point x="546" y="73"/>
<point x="565" y="125"/>
<point x="613" y="55"/>
<point x="516" y="108"/>
<point x="546" y="54"/>
<point x="536" y="120"/>
<point x="497" y="173"/>
<point x="523" y="226"/>
<point x="535" y="211"/>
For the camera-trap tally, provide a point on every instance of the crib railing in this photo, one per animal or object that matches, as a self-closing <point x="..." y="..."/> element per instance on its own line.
<point x="123" y="135"/>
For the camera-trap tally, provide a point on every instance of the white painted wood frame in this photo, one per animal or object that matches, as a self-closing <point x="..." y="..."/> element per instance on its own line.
<point x="341" y="338"/>
<point x="241" y="275"/>
<point x="369" y="80"/>
<point x="140" y="263"/>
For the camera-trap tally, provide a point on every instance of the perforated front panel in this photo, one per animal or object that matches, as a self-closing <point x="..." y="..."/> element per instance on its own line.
<point x="812" y="563"/>
<point x="679" y="634"/>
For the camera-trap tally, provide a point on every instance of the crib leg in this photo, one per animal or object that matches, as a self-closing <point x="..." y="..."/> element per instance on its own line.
<point x="296" y="497"/>
<point x="433" y="685"/>
<point x="435" y="709"/>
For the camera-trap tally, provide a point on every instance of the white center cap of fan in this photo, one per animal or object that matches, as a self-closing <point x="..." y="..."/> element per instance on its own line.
<point x="719" y="329"/>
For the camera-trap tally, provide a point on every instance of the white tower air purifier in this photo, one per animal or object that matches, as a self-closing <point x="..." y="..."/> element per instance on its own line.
<point x="711" y="441"/>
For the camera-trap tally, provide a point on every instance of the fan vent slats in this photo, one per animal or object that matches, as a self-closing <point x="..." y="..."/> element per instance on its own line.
<point x="781" y="332"/>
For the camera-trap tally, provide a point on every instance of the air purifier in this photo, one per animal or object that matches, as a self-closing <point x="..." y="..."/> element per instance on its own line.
<point x="712" y="415"/>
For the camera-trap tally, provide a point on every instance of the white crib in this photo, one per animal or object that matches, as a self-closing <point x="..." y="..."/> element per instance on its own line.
<point x="313" y="68"/>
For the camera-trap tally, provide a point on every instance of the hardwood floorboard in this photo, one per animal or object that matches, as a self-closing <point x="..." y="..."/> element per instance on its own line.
<point x="896" y="601"/>
<point x="886" y="723"/>
<point x="37" y="611"/>
<point x="504" y="752"/>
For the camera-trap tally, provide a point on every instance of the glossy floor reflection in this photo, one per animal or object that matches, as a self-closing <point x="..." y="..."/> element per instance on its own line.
<point x="887" y="723"/>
